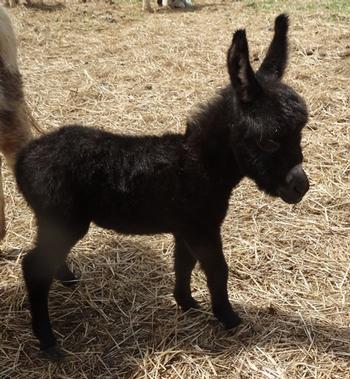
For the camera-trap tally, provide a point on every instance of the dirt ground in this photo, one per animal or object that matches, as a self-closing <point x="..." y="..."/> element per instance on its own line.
<point x="107" y="64"/>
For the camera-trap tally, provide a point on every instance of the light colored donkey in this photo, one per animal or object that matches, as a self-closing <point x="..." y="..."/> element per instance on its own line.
<point x="15" y="120"/>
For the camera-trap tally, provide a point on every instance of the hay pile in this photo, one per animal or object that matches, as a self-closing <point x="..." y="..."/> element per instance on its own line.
<point x="111" y="66"/>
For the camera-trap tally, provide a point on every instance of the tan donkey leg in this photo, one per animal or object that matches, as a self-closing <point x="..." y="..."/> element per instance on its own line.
<point x="2" y="206"/>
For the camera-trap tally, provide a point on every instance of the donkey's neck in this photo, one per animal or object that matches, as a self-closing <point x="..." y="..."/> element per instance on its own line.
<point x="209" y="137"/>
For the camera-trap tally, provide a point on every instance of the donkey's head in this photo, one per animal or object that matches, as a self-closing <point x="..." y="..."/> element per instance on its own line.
<point x="269" y="116"/>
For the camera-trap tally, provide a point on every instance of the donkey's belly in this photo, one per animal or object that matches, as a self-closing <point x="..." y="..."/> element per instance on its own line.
<point x="131" y="222"/>
<point x="130" y="227"/>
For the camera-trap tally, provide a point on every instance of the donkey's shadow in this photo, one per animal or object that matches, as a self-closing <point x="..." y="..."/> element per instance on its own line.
<point x="123" y="308"/>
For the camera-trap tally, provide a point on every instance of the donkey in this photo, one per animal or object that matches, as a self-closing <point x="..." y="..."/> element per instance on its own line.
<point x="175" y="183"/>
<point x="16" y="122"/>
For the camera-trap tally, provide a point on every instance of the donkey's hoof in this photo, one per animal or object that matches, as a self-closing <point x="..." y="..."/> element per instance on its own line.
<point x="229" y="318"/>
<point x="233" y="322"/>
<point x="189" y="304"/>
<point x="186" y="303"/>
<point x="53" y="353"/>
<point x="66" y="277"/>
<point x="70" y="282"/>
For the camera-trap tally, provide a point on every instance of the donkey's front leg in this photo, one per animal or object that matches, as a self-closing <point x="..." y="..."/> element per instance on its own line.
<point x="207" y="248"/>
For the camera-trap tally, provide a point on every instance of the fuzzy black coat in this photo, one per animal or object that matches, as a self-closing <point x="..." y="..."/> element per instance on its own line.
<point x="175" y="183"/>
<point x="131" y="184"/>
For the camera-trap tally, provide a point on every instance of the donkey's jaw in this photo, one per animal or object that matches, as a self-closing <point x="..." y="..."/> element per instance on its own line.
<point x="289" y="198"/>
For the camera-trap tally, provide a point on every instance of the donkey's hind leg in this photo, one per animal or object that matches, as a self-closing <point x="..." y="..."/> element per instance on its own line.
<point x="66" y="276"/>
<point x="40" y="266"/>
<point x="38" y="272"/>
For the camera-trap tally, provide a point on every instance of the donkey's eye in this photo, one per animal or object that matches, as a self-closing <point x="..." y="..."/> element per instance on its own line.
<point x="269" y="145"/>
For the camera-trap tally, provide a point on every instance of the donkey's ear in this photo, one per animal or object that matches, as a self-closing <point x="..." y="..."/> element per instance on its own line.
<point x="276" y="58"/>
<point x="241" y="73"/>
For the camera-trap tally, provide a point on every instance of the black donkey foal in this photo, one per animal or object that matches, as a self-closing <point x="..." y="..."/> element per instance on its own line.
<point x="175" y="183"/>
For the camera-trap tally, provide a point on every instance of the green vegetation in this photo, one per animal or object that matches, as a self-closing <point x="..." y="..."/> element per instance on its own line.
<point x="337" y="7"/>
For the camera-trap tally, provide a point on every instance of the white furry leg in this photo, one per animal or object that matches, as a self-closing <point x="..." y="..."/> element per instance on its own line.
<point x="15" y="121"/>
<point x="8" y="46"/>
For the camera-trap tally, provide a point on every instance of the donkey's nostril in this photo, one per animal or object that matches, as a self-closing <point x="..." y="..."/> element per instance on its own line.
<point x="299" y="189"/>
<point x="295" y="190"/>
<point x="297" y="180"/>
<point x="301" y="185"/>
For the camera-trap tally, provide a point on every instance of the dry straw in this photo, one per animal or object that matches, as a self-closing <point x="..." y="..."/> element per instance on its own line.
<point x="109" y="65"/>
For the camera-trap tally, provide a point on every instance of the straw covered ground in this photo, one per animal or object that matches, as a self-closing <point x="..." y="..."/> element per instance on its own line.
<point x="109" y="65"/>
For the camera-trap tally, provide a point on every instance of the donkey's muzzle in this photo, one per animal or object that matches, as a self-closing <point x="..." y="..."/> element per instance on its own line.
<point x="296" y="185"/>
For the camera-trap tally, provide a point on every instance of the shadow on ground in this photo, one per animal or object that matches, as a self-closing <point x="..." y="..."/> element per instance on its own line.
<point x="123" y="310"/>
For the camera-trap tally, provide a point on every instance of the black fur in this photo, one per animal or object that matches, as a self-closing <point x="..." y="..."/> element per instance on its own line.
<point x="179" y="184"/>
